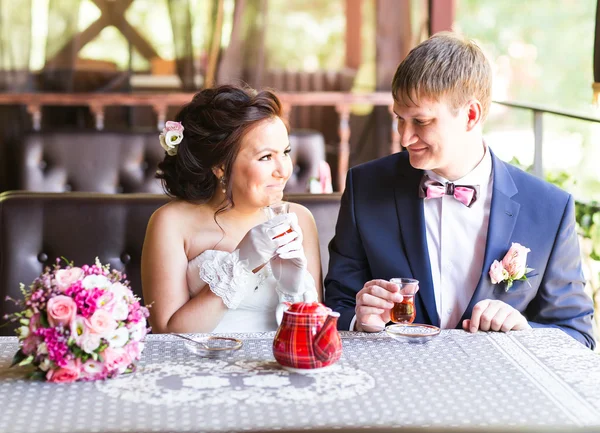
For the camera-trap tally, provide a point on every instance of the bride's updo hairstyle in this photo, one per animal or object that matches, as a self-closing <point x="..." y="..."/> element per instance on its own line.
<point x="214" y="122"/>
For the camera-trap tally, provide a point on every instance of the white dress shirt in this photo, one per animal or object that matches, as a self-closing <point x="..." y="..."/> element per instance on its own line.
<point x="456" y="239"/>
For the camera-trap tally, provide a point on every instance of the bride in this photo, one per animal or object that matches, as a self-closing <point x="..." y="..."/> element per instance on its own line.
<point x="212" y="260"/>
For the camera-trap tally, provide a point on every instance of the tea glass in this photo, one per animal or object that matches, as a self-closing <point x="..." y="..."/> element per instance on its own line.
<point x="273" y="211"/>
<point x="405" y="312"/>
<point x="276" y="209"/>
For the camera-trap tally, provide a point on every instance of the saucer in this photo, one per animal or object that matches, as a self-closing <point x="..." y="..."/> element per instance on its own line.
<point x="309" y="370"/>
<point x="211" y="346"/>
<point x="412" y="332"/>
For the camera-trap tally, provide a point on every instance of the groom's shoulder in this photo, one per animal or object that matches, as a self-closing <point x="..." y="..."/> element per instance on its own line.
<point x="387" y="165"/>
<point x="533" y="186"/>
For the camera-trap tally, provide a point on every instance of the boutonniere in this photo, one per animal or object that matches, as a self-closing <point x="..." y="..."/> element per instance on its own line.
<point x="513" y="266"/>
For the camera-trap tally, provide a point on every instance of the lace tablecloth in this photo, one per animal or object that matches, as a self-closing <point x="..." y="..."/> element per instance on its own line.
<point x="534" y="378"/>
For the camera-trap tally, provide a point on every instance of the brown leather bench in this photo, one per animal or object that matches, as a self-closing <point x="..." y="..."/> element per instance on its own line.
<point x="124" y="162"/>
<point x="35" y="228"/>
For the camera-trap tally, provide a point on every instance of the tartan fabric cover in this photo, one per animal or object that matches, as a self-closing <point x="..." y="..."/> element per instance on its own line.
<point x="307" y="337"/>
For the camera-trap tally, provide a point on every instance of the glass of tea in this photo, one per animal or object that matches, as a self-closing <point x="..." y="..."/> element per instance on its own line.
<point x="405" y="312"/>
<point x="276" y="209"/>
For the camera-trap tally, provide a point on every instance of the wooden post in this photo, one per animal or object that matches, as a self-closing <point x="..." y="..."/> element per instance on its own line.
<point x="394" y="41"/>
<point x="344" y="145"/>
<point x="98" y="112"/>
<point x="395" y="146"/>
<point x="286" y="109"/>
<point x="596" y="63"/>
<point x="161" y="115"/>
<point x="441" y="15"/>
<point x="353" y="33"/>
<point x="36" y="116"/>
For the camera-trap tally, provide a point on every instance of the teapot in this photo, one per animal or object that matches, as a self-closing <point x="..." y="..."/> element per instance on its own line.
<point x="307" y="339"/>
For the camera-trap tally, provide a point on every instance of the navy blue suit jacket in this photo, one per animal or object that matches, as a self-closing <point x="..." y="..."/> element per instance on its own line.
<point x="380" y="233"/>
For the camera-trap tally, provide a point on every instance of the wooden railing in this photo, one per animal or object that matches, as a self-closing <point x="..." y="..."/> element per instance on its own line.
<point x="97" y="102"/>
<point x="342" y="101"/>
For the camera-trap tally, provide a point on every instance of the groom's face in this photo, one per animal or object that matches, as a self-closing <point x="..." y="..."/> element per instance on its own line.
<point x="433" y="133"/>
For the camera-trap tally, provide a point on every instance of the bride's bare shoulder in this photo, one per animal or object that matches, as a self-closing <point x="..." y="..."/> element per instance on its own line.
<point x="182" y="214"/>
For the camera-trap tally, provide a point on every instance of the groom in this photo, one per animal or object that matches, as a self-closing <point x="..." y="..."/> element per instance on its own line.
<point x="447" y="209"/>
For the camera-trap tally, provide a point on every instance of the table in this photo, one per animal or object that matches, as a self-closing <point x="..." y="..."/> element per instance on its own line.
<point x="538" y="377"/>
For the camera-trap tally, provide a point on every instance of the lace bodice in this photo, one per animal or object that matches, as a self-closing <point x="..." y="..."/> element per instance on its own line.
<point x="256" y="311"/>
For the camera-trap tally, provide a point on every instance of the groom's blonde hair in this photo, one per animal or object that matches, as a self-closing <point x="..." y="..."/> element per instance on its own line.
<point x="444" y="66"/>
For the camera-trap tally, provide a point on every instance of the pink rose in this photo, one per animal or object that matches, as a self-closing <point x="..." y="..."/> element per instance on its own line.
<point x="116" y="359"/>
<point x="515" y="261"/>
<point x="66" y="374"/>
<point x="497" y="272"/>
<point x="61" y="310"/>
<point x="101" y="323"/>
<point x="65" y="277"/>
<point x="173" y="126"/>
<point x="92" y="369"/>
<point x="134" y="350"/>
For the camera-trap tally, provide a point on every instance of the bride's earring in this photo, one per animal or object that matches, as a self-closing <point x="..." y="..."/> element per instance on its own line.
<point x="223" y="184"/>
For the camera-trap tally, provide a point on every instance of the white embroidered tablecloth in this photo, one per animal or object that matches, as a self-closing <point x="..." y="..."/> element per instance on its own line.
<point x="535" y="378"/>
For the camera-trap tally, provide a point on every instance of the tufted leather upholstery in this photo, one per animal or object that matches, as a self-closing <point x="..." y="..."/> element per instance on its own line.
<point x="308" y="149"/>
<point x="105" y="162"/>
<point x="125" y="162"/>
<point x="35" y="228"/>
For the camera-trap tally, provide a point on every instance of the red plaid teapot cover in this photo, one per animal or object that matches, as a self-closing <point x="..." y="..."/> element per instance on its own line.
<point x="308" y="337"/>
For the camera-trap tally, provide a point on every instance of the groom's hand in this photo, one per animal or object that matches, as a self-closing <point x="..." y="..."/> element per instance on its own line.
<point x="373" y="305"/>
<point x="494" y="315"/>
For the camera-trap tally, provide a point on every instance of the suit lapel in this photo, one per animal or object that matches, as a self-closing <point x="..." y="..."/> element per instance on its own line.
<point x="503" y="217"/>
<point x="411" y="218"/>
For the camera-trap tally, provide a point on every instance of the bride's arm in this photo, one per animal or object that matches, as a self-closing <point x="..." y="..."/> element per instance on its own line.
<point x="310" y="243"/>
<point x="164" y="283"/>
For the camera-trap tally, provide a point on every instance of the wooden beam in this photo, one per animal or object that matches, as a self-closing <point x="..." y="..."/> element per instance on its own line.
<point x="441" y="15"/>
<point x="112" y="13"/>
<point x="76" y="43"/>
<point x="353" y="33"/>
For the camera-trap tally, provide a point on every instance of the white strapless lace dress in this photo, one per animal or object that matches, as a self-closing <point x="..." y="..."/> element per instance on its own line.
<point x="256" y="312"/>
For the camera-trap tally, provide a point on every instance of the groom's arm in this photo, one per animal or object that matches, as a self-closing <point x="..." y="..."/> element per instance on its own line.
<point x="561" y="300"/>
<point x="348" y="265"/>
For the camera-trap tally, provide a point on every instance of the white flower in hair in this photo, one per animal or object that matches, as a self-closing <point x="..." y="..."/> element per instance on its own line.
<point x="171" y="136"/>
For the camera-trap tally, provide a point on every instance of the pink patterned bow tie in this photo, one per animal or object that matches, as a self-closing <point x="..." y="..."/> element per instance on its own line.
<point x="466" y="194"/>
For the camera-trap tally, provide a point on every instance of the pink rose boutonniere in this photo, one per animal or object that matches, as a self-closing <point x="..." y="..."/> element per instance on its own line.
<point x="513" y="266"/>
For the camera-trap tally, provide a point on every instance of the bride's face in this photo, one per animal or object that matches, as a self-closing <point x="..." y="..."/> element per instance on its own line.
<point x="262" y="166"/>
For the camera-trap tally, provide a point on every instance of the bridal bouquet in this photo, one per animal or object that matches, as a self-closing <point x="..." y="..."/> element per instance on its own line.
<point x="79" y="324"/>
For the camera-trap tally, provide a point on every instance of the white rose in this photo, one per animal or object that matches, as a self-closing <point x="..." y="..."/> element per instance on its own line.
<point x="96" y="281"/>
<point x="171" y="148"/>
<point x="118" y="338"/>
<point x="89" y="342"/>
<point x="120" y="311"/>
<point x="138" y="331"/>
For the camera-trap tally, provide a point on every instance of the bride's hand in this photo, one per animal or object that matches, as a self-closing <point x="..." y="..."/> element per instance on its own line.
<point x="262" y="241"/>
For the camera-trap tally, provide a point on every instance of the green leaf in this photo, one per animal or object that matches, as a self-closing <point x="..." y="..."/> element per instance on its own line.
<point x="37" y="375"/>
<point x="18" y="357"/>
<point x="509" y="284"/>
<point x="26" y="361"/>
<point x="44" y="320"/>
